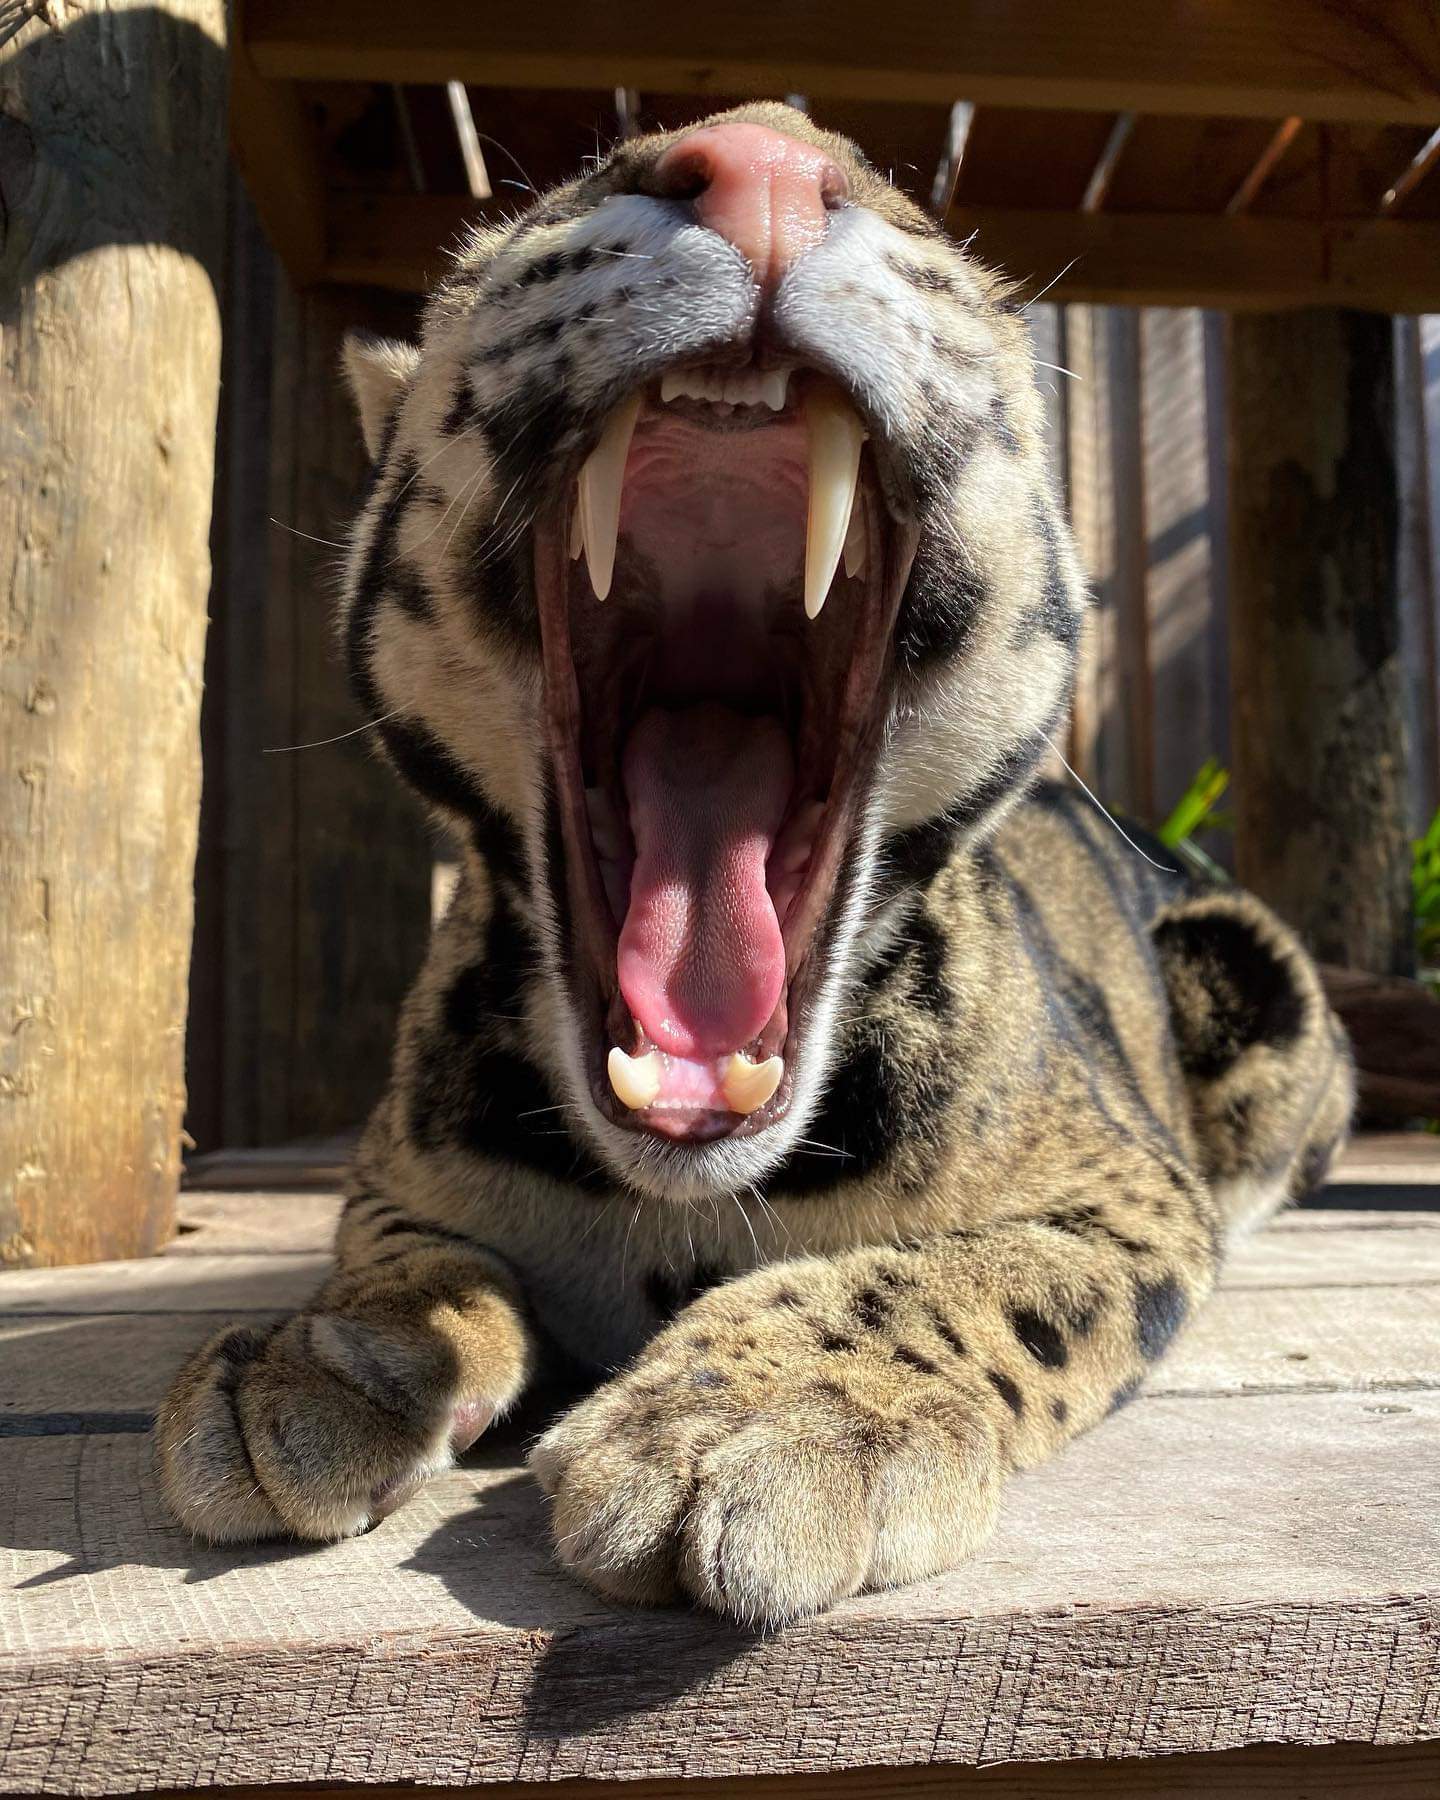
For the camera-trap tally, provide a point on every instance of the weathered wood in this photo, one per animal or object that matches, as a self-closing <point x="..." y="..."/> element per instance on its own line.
<point x="1345" y="1310"/>
<point x="237" y="1223"/>
<point x="1373" y="59"/>
<point x="1317" y="724"/>
<point x="315" y="1163"/>
<point x="164" y="1285"/>
<point x="113" y="123"/>
<point x="1111" y="724"/>
<point x="1394" y="1027"/>
<point x="340" y="863"/>
<point x="1185" y="679"/>
<point x="1265" y="1772"/>
<point x="1144" y="1595"/>
<point x="1419" y="569"/>
<point x="397" y="241"/>
<point x="1401" y="1157"/>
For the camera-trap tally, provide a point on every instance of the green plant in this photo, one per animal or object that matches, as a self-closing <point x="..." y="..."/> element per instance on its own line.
<point x="1196" y="806"/>
<point x="1425" y="874"/>
<point x="1194" y="810"/>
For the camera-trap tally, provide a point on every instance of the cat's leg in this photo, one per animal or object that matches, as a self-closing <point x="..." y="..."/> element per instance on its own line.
<point x="320" y="1425"/>
<point x="828" y="1425"/>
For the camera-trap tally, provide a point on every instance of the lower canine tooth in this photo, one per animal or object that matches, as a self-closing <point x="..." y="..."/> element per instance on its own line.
<point x="747" y="1085"/>
<point x="635" y="1079"/>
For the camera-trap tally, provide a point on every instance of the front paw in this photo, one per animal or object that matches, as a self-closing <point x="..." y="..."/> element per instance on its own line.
<point x="766" y="1458"/>
<point x="320" y="1427"/>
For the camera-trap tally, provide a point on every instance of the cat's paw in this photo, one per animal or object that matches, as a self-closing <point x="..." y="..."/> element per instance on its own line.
<point x="768" y="1458"/>
<point x="320" y="1426"/>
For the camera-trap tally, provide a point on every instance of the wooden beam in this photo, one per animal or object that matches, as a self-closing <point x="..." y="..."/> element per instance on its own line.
<point x="275" y="149"/>
<point x="1150" y="259"/>
<point x="1370" y="59"/>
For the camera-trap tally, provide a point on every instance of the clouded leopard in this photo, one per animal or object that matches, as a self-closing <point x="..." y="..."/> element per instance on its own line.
<point x="859" y="1111"/>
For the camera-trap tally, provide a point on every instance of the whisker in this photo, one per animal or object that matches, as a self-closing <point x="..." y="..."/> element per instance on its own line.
<point x="1106" y="813"/>
<point x="308" y="536"/>
<point x="339" y="738"/>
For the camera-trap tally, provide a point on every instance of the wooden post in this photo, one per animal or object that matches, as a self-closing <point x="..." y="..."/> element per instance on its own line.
<point x="1318" y="733"/>
<point x="112" y="122"/>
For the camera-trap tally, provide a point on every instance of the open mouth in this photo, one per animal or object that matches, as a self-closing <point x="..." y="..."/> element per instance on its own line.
<point x="717" y="593"/>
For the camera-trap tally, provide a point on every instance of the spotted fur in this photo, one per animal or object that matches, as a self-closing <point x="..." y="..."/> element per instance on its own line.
<point x="1044" y="1079"/>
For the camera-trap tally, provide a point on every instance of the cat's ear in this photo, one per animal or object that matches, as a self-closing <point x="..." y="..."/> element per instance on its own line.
<point x="378" y="371"/>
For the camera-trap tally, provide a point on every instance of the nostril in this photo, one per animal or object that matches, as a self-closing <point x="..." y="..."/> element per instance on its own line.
<point x="834" y="186"/>
<point x="685" y="172"/>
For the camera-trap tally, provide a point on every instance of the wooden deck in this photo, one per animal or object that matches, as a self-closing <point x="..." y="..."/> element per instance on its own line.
<point x="1241" y="1569"/>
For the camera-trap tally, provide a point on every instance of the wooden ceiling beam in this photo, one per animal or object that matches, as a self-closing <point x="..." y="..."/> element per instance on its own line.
<point x="1370" y="60"/>
<point x="1155" y="259"/>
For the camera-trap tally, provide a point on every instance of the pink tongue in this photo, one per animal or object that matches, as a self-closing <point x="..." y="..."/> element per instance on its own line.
<point x="701" y="960"/>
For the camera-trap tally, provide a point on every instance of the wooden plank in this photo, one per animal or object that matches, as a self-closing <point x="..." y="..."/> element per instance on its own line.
<point x="1373" y="59"/>
<point x="1176" y="1607"/>
<point x="237" y="1223"/>
<point x="221" y="1048"/>
<point x="1257" y="1340"/>
<point x="1186" y="165"/>
<point x="1187" y="673"/>
<point x="1419" y="598"/>
<point x="1350" y="1307"/>
<point x="65" y="1369"/>
<point x="163" y="1285"/>
<point x="1263" y="1772"/>
<point x="1110" y="724"/>
<point x="1397" y="1156"/>
<point x="335" y="824"/>
<point x="1016" y="157"/>
<point x="107" y="1372"/>
<point x="274" y="146"/>
<point x="311" y="1163"/>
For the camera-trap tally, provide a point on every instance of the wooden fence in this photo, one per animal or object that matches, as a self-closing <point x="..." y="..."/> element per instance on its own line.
<point x="1138" y="430"/>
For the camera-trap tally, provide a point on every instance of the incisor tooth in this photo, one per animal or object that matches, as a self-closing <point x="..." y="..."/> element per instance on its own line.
<point x="602" y="482"/>
<point x="835" y="434"/>
<point x="635" y="1079"/>
<point x="747" y="1085"/>
<point x="774" y="386"/>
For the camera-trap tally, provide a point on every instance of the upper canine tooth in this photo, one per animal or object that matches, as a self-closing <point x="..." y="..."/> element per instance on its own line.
<point x="577" y="532"/>
<point x="747" y="1085"/>
<point x="855" y="545"/>
<point x="773" y="387"/>
<point x="672" y="383"/>
<point x="835" y="435"/>
<point x="602" y="482"/>
<point x="635" y="1079"/>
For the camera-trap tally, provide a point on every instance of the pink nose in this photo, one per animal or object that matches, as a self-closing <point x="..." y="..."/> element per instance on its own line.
<point x="764" y="192"/>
